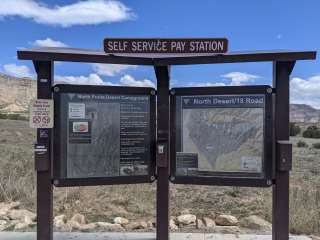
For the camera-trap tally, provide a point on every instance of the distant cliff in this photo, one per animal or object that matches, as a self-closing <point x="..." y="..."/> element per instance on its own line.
<point x="16" y="93"/>
<point x="302" y="113"/>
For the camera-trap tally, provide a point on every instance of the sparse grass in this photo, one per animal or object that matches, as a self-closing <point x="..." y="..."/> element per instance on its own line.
<point x="302" y="144"/>
<point x="316" y="145"/>
<point x="305" y="209"/>
<point x="103" y="203"/>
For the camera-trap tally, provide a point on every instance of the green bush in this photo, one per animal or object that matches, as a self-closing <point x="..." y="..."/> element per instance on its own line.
<point x="302" y="144"/>
<point x="316" y="145"/>
<point x="311" y="132"/>
<point x="294" y="129"/>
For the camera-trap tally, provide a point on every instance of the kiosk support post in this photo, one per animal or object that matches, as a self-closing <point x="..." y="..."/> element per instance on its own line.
<point x="280" y="201"/>
<point x="163" y="79"/>
<point x="44" y="71"/>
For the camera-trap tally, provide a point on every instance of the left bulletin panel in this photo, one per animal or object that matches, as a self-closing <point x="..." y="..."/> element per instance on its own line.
<point x="103" y="135"/>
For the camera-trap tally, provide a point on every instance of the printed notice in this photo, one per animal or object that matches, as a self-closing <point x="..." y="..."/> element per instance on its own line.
<point x="77" y="110"/>
<point x="41" y="113"/>
<point x="106" y="135"/>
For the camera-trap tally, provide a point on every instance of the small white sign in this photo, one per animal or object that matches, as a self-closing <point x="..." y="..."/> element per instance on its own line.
<point x="250" y="164"/>
<point x="41" y="113"/>
<point x="77" y="110"/>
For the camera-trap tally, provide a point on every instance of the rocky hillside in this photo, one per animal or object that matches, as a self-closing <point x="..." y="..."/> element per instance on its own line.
<point x="302" y="113"/>
<point x="16" y="93"/>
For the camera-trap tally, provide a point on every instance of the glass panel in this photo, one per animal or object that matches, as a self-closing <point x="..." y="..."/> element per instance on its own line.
<point x="104" y="135"/>
<point x="220" y="135"/>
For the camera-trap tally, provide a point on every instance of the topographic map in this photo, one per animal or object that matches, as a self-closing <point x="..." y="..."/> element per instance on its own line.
<point x="226" y="139"/>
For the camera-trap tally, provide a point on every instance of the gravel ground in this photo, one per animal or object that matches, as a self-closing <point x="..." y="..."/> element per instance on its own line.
<point x="141" y="236"/>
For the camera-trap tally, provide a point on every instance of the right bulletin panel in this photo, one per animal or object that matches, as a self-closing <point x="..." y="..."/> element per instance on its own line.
<point x="222" y="136"/>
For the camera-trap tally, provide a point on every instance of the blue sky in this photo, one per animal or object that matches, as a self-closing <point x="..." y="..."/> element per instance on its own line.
<point x="248" y="24"/>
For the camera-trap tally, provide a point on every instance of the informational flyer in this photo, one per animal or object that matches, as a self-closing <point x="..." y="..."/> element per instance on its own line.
<point x="106" y="135"/>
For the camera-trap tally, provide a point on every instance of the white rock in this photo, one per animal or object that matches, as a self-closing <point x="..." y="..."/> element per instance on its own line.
<point x="137" y="225"/>
<point x="226" y="220"/>
<point x="172" y="225"/>
<point x="79" y="218"/>
<point x="21" y="226"/>
<point x="88" y="227"/>
<point x="16" y="214"/>
<point x="3" y="222"/>
<point x="60" y="221"/>
<point x="150" y="224"/>
<point x="227" y="229"/>
<point x="256" y="223"/>
<point x="120" y="220"/>
<point x="27" y="220"/>
<point x="73" y="225"/>
<point x="6" y="207"/>
<point x="109" y="227"/>
<point x="200" y="224"/>
<point x="187" y="219"/>
<point x="208" y="222"/>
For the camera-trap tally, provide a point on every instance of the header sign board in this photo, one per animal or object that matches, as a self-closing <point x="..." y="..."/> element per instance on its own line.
<point x="166" y="45"/>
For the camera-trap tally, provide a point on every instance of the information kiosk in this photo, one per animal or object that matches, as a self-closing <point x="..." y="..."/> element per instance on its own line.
<point x="231" y="136"/>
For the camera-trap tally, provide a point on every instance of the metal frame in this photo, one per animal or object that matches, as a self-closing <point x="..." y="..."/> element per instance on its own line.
<point x="60" y="181"/>
<point x="225" y="178"/>
<point x="283" y="63"/>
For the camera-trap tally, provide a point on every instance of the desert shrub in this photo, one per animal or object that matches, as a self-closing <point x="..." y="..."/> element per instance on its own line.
<point x="316" y="145"/>
<point x="302" y="144"/>
<point x="16" y="174"/>
<point x="294" y="129"/>
<point x="305" y="209"/>
<point x="311" y="132"/>
<point x="13" y="116"/>
<point x="3" y="116"/>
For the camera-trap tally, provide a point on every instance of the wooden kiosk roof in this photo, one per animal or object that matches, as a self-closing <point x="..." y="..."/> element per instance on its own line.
<point x="99" y="56"/>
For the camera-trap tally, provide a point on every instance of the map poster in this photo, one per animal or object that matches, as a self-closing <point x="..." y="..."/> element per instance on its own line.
<point x="219" y="134"/>
<point x="104" y="135"/>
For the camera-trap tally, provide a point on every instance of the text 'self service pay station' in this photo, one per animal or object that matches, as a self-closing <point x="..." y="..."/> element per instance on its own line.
<point x="101" y="135"/>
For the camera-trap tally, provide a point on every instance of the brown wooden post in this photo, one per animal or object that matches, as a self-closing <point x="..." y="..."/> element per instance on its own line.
<point x="44" y="185"/>
<point x="163" y="109"/>
<point x="280" y="201"/>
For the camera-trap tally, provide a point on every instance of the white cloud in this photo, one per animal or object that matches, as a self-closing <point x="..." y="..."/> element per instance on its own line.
<point x="79" y="13"/>
<point x="17" y="70"/>
<point x="128" y="80"/>
<point x="110" y="70"/>
<point x="207" y="84"/>
<point x="48" y="42"/>
<point x="92" y="79"/>
<point x="238" y="78"/>
<point x="305" y="91"/>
